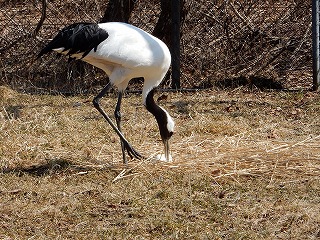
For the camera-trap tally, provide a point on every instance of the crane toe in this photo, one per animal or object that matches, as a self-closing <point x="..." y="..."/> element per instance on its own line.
<point x="132" y="152"/>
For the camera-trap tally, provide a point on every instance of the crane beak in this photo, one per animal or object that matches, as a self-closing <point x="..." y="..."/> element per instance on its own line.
<point x="166" y="149"/>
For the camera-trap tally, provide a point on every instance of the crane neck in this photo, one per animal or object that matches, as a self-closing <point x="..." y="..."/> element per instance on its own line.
<point x="164" y="121"/>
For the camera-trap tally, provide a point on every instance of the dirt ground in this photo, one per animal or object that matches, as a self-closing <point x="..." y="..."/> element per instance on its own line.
<point x="246" y="165"/>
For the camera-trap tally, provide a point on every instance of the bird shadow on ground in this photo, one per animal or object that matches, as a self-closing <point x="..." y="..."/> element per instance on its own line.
<point x="50" y="167"/>
<point x="12" y="111"/>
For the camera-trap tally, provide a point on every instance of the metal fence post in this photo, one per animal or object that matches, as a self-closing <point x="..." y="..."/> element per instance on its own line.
<point x="175" y="8"/>
<point x="315" y="44"/>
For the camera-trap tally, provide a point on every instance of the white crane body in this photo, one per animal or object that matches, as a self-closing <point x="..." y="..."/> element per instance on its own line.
<point x="123" y="52"/>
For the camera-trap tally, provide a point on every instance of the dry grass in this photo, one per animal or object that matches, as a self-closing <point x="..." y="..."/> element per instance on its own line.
<point x="246" y="166"/>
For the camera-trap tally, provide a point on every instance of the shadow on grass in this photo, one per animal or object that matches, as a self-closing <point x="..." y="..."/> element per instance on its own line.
<point x="12" y="111"/>
<point x="51" y="167"/>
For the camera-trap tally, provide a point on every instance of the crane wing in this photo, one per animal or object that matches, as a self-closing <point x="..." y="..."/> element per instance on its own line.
<point x="78" y="38"/>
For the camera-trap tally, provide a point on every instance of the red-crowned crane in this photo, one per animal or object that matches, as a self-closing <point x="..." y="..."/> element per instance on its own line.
<point x="123" y="52"/>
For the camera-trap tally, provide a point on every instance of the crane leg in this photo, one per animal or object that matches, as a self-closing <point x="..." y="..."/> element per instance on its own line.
<point x="96" y="103"/>
<point x="117" y="115"/>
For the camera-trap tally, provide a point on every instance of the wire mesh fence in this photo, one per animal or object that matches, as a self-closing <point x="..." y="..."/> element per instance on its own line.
<point x="224" y="43"/>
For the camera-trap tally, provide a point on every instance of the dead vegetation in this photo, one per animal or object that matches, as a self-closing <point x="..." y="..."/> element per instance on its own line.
<point x="246" y="165"/>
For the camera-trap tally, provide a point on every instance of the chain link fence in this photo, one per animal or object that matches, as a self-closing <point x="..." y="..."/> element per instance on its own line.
<point x="224" y="43"/>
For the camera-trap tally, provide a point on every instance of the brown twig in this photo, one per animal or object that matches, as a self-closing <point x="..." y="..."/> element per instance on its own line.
<point x="43" y="17"/>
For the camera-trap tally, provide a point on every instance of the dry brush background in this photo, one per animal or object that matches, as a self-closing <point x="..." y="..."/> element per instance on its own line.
<point x="224" y="43"/>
